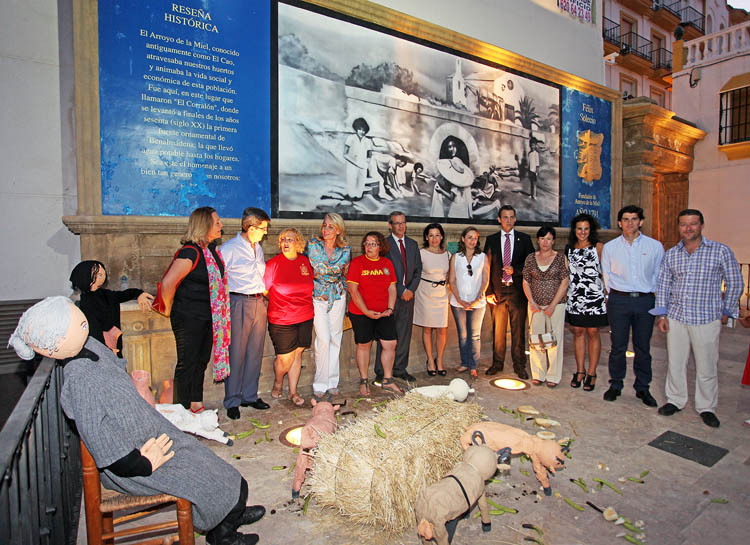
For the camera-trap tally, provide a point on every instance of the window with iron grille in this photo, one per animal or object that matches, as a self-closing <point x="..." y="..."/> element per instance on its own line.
<point x="734" y="116"/>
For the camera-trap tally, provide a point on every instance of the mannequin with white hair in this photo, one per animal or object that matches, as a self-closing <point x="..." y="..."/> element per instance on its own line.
<point x="136" y="449"/>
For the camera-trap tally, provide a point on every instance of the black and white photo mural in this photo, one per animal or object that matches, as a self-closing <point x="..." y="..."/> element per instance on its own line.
<point x="369" y="122"/>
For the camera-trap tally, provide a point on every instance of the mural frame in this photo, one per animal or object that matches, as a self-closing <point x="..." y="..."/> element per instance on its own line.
<point x="470" y="52"/>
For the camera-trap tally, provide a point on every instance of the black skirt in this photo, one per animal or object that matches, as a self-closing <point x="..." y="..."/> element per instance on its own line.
<point x="586" y="320"/>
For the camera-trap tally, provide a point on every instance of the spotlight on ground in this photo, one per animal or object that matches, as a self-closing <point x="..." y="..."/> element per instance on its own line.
<point x="509" y="384"/>
<point x="629" y="354"/>
<point x="291" y="437"/>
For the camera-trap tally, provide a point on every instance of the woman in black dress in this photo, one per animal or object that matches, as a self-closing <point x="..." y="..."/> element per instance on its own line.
<point x="102" y="306"/>
<point x="586" y="311"/>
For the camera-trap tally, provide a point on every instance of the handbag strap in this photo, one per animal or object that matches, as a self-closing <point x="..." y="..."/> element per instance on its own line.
<point x="195" y="263"/>
<point x="547" y="324"/>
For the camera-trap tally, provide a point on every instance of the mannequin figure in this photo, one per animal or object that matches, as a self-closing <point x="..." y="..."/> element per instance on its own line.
<point x="136" y="449"/>
<point x="457" y="390"/>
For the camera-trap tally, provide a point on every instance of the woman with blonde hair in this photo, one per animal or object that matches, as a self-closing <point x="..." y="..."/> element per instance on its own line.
<point x="289" y="286"/>
<point x="329" y="256"/>
<point x="196" y="297"/>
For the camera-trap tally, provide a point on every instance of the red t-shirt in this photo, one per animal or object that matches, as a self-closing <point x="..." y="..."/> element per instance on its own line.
<point x="373" y="279"/>
<point x="289" y="284"/>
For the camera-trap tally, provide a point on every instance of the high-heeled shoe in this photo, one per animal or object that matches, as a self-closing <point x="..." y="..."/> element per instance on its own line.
<point x="588" y="384"/>
<point x="431" y="372"/>
<point x="576" y="380"/>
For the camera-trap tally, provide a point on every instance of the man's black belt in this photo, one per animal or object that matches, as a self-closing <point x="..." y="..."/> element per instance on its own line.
<point x="256" y="295"/>
<point x="435" y="283"/>
<point x="630" y="293"/>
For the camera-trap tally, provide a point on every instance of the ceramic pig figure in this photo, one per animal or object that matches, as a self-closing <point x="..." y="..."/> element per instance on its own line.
<point x="546" y="454"/>
<point x="323" y="421"/>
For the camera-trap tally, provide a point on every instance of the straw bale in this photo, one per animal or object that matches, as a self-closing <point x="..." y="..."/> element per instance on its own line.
<point x="374" y="480"/>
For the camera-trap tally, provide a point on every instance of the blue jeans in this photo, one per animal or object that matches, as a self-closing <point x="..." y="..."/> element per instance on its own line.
<point x="469" y="329"/>
<point x="628" y="314"/>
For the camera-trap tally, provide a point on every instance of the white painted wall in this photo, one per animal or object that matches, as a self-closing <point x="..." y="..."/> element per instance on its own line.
<point x="718" y="187"/>
<point x="536" y="29"/>
<point x="39" y="251"/>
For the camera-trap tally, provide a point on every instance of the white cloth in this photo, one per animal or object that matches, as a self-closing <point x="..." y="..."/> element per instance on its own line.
<point x="548" y="366"/>
<point x="704" y="340"/>
<point x="329" y="327"/>
<point x="204" y="424"/>
<point x="469" y="286"/>
<point x="245" y="265"/>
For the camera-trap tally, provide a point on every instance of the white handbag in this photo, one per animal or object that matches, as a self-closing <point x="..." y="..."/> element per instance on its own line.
<point x="543" y="341"/>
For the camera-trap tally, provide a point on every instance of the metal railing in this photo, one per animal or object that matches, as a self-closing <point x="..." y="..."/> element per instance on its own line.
<point x="745" y="297"/>
<point x="669" y="5"/>
<point x="662" y="58"/>
<point x="611" y="31"/>
<point x="40" y="467"/>
<point x="691" y="16"/>
<point x="637" y="44"/>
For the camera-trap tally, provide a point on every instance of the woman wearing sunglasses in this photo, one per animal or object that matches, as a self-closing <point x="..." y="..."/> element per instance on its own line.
<point x="469" y="276"/>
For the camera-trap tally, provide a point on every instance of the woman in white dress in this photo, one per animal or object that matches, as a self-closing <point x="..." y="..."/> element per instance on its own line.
<point x="431" y="298"/>
<point x="469" y="276"/>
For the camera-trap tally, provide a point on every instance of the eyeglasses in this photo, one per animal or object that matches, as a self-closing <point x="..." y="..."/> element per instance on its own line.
<point x="371" y="244"/>
<point x="468" y="269"/>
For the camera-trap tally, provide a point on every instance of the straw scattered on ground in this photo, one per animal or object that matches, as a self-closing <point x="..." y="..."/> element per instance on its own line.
<point x="372" y="470"/>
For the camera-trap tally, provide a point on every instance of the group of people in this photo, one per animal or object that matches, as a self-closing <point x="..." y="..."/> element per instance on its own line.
<point x="215" y="298"/>
<point x="216" y="301"/>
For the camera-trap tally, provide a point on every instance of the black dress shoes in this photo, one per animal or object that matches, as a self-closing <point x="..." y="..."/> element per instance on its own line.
<point x="668" y="409"/>
<point x="233" y="413"/>
<point x="521" y="372"/>
<point x="258" y="404"/>
<point x="493" y="370"/>
<point x="253" y="513"/>
<point x="709" y="419"/>
<point x="611" y="394"/>
<point x="405" y="376"/>
<point x="646" y="397"/>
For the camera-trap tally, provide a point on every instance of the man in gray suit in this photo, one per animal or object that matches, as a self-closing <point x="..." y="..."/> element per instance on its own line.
<point x="407" y="263"/>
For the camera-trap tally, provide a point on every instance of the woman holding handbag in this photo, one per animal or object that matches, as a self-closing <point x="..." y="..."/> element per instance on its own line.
<point x="195" y="296"/>
<point x="545" y="283"/>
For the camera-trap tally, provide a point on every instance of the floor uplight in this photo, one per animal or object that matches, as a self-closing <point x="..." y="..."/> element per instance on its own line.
<point x="291" y="437"/>
<point x="629" y="354"/>
<point x="509" y="384"/>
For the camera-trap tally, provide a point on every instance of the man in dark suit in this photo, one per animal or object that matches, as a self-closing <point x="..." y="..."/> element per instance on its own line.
<point x="507" y="252"/>
<point x="407" y="263"/>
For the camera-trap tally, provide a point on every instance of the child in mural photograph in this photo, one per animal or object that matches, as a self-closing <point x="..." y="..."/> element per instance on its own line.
<point x="453" y="166"/>
<point x="357" y="153"/>
<point x="533" y="168"/>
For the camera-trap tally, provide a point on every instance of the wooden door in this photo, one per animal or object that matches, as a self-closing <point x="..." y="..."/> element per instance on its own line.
<point x="670" y="198"/>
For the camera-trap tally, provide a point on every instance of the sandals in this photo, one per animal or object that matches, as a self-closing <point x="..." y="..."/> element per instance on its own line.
<point x="442" y="372"/>
<point x="537" y="382"/>
<point x="473" y="373"/>
<point x="462" y="369"/>
<point x="431" y="372"/>
<point x="364" y="388"/>
<point x="277" y="394"/>
<point x="297" y="399"/>
<point x="575" y="382"/>
<point x="199" y="411"/>
<point x="389" y="384"/>
<point x="551" y="384"/>
<point x="588" y="383"/>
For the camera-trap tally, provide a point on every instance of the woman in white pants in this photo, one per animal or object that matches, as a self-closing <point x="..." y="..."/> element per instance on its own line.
<point x="329" y="256"/>
<point x="545" y="283"/>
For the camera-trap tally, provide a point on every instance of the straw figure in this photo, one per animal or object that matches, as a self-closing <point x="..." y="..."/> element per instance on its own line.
<point x="440" y="506"/>
<point x="546" y="454"/>
<point x="457" y="390"/>
<point x="371" y="470"/>
<point x="323" y="421"/>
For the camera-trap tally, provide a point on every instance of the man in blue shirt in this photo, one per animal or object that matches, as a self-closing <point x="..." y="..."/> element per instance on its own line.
<point x="630" y="265"/>
<point x="692" y="309"/>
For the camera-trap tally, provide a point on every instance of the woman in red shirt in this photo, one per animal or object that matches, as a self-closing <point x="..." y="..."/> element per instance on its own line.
<point x="289" y="286"/>
<point x="372" y="286"/>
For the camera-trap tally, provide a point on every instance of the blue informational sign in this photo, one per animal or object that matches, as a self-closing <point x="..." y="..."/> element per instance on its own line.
<point x="185" y="106"/>
<point x="586" y="157"/>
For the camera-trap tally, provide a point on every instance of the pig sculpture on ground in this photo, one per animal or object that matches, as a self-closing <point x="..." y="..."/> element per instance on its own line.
<point x="323" y="421"/>
<point x="546" y="454"/>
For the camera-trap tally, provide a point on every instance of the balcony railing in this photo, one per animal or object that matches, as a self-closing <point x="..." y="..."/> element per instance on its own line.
<point x="669" y="5"/>
<point x="662" y="58"/>
<point x="691" y="16"/>
<point x="40" y="467"/>
<point x="725" y="43"/>
<point x="637" y="44"/>
<point x="611" y="31"/>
